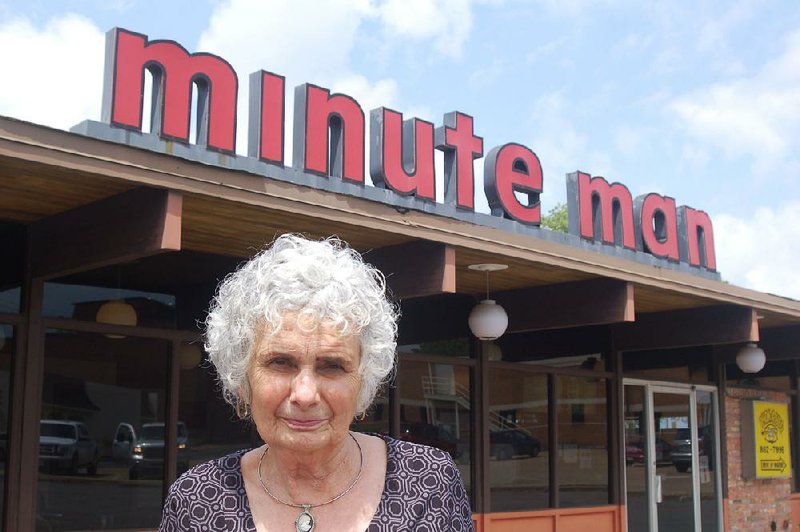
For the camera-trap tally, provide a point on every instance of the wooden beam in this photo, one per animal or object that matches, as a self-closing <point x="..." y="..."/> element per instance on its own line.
<point x="434" y="318"/>
<point x="125" y="227"/>
<point x="416" y="269"/>
<point x="781" y="343"/>
<point x="549" y="343"/>
<point x="714" y="325"/>
<point x="566" y="305"/>
<point x="12" y="267"/>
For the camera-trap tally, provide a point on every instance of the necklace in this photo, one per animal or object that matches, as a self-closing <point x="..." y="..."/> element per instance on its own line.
<point x="305" y="520"/>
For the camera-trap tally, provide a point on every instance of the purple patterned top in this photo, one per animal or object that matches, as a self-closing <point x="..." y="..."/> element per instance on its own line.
<point x="423" y="492"/>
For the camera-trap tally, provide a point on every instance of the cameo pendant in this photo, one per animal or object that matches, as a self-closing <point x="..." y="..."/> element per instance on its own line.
<point x="305" y="521"/>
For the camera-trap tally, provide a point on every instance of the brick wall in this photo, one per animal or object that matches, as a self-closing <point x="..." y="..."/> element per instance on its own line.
<point x="752" y="504"/>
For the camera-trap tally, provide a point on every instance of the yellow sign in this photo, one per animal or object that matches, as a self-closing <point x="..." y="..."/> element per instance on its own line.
<point x="771" y="428"/>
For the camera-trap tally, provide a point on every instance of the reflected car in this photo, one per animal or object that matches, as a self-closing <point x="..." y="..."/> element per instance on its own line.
<point x="145" y="451"/>
<point x="682" y="453"/>
<point x="664" y="451"/>
<point x="430" y="435"/>
<point x="634" y="454"/>
<point x="513" y="443"/>
<point x="66" y="446"/>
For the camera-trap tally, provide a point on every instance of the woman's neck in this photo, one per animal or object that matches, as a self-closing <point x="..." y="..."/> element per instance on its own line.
<point x="311" y="477"/>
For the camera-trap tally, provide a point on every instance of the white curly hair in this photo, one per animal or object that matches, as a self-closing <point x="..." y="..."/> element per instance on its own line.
<point x="321" y="281"/>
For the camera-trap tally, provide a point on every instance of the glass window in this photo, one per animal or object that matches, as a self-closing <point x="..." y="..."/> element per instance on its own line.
<point x="453" y="347"/>
<point x="10" y="300"/>
<point x="12" y="271"/>
<point x="582" y="441"/>
<point x="518" y="428"/>
<point x="6" y="355"/>
<point x="689" y="365"/>
<point x="774" y="376"/>
<point x="635" y="433"/>
<point x="208" y="427"/>
<point x="101" y="397"/>
<point x="435" y="410"/>
<point x="376" y="419"/>
<point x="706" y="452"/>
<point x="89" y="303"/>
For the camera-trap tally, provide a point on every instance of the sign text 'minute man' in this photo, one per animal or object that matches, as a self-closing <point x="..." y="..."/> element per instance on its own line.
<point x="329" y="140"/>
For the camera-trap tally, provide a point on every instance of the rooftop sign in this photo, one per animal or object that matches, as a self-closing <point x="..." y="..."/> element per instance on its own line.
<point x="329" y="151"/>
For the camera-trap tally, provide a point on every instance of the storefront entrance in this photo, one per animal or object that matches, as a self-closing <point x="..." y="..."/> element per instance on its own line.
<point x="671" y="457"/>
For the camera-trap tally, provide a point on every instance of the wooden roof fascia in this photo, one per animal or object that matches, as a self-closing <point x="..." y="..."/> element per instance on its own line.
<point x="22" y="140"/>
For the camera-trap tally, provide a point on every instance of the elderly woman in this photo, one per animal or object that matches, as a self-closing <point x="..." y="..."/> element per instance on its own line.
<point x="302" y="336"/>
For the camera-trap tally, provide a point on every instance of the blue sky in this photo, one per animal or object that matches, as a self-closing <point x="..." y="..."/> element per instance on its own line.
<point x="696" y="100"/>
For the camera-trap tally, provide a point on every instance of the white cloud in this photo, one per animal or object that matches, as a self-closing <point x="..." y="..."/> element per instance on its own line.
<point x="715" y="33"/>
<point x="574" y="8"/>
<point x="369" y="95"/>
<point x="545" y="50"/>
<point x="52" y="75"/>
<point x="447" y="22"/>
<point x="757" y="116"/>
<point x="628" y="139"/>
<point x="295" y="38"/>
<point x="760" y="252"/>
<point x="562" y="148"/>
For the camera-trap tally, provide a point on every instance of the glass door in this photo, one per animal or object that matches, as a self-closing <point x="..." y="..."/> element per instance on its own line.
<point x="674" y="429"/>
<point x="671" y="436"/>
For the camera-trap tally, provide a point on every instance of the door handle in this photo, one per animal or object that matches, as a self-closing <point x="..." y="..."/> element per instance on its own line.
<point x="658" y="489"/>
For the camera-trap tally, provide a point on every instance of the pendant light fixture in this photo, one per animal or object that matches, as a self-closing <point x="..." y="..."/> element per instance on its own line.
<point x="117" y="311"/>
<point x="751" y="358"/>
<point x="190" y="355"/>
<point x="488" y="320"/>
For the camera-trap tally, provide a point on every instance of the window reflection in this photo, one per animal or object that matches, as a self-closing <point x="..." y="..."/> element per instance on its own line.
<point x="687" y="365"/>
<point x="518" y="428"/>
<point x="451" y="347"/>
<point x="12" y="267"/>
<point x="635" y="451"/>
<point x="583" y="441"/>
<point x="94" y="388"/>
<point x="211" y="427"/>
<point x="376" y="419"/>
<point x="6" y="355"/>
<point x="435" y="409"/>
<point x="84" y="302"/>
<point x="9" y="301"/>
<point x="774" y="376"/>
<point x="707" y="455"/>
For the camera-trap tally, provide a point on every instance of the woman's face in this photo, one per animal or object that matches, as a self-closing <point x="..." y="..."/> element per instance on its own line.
<point x="304" y="386"/>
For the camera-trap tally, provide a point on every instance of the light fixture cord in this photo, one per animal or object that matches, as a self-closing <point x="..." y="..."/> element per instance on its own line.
<point x="487" y="284"/>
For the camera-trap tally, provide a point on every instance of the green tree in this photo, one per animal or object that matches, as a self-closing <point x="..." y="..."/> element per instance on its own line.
<point x="556" y="218"/>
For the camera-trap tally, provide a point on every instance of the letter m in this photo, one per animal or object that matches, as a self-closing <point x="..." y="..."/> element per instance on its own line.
<point x="174" y="71"/>
<point x="599" y="210"/>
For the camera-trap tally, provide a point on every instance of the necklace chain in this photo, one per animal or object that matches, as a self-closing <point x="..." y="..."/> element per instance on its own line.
<point x="306" y="507"/>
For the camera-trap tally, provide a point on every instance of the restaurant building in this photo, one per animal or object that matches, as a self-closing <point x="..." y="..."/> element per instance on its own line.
<point x="616" y="398"/>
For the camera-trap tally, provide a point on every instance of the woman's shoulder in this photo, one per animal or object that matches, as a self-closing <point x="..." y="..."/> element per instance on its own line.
<point x="423" y="490"/>
<point x="415" y="458"/>
<point x="209" y="496"/>
<point x="224" y="472"/>
<point x="408" y="450"/>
